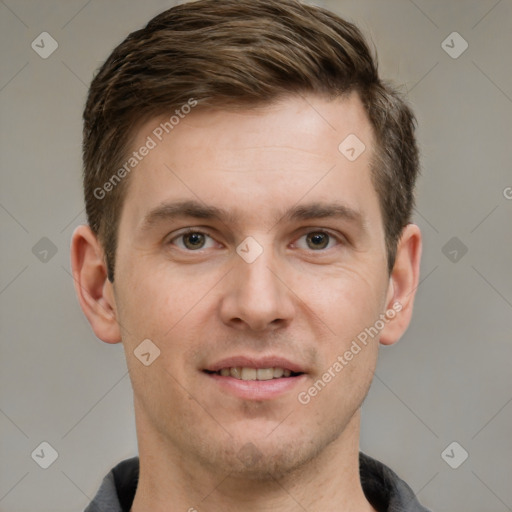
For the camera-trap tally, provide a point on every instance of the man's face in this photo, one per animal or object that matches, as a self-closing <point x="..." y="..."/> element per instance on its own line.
<point x="294" y="296"/>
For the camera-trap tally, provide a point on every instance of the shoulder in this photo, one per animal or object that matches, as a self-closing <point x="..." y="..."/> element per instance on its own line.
<point x="384" y="489"/>
<point x="117" y="489"/>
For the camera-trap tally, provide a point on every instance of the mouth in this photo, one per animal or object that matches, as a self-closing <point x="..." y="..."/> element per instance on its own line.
<point x="249" y="373"/>
<point x="255" y="379"/>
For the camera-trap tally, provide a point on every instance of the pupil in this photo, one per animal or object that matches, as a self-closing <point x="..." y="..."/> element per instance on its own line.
<point x="194" y="239"/>
<point x="318" y="238"/>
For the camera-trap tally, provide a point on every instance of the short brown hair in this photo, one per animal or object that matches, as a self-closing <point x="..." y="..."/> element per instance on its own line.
<point x="242" y="53"/>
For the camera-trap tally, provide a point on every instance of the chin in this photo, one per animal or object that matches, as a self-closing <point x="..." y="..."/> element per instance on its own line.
<point x="250" y="462"/>
<point x="265" y="459"/>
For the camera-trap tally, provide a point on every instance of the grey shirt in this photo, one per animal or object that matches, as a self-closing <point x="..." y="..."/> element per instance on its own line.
<point x="382" y="487"/>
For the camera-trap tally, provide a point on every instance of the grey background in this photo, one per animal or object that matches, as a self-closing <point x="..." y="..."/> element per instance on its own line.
<point x="448" y="379"/>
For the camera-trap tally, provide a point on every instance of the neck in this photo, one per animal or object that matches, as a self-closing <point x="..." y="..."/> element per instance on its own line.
<point x="170" y="481"/>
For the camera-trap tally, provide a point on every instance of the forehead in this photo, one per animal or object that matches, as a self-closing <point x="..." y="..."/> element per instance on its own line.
<point x="252" y="161"/>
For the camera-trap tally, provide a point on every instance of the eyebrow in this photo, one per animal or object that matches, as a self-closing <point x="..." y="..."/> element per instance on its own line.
<point x="191" y="208"/>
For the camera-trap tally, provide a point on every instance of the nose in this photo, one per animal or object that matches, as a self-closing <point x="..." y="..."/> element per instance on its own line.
<point x="256" y="297"/>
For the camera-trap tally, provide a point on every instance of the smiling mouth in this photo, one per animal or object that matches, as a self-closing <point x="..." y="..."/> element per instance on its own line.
<point x="245" y="373"/>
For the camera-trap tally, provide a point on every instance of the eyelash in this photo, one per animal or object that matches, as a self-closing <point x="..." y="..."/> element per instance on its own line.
<point x="199" y="231"/>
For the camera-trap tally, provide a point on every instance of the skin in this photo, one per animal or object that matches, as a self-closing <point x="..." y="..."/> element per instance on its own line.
<point x="200" y="446"/>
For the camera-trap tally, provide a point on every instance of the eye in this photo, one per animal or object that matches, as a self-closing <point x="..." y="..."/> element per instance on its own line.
<point x="192" y="240"/>
<point x="317" y="240"/>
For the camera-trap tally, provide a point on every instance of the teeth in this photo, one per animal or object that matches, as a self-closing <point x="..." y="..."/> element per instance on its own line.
<point x="243" y="373"/>
<point x="236" y="372"/>
<point x="249" y="373"/>
<point x="265" y="373"/>
<point x="278" y="373"/>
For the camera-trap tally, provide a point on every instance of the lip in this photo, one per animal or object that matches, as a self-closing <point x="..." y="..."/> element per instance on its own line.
<point x="256" y="389"/>
<point x="253" y="362"/>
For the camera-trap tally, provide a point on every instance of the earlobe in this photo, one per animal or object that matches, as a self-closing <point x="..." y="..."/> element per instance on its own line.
<point x="93" y="289"/>
<point x="403" y="284"/>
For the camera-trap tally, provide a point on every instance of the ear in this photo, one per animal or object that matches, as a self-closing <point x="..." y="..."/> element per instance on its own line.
<point x="95" y="292"/>
<point x="403" y="283"/>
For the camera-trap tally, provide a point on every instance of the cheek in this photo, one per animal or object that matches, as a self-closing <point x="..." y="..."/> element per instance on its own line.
<point x="174" y="310"/>
<point x="166" y="308"/>
<point x="349" y="307"/>
<point x="160" y="299"/>
<point x="348" y="300"/>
